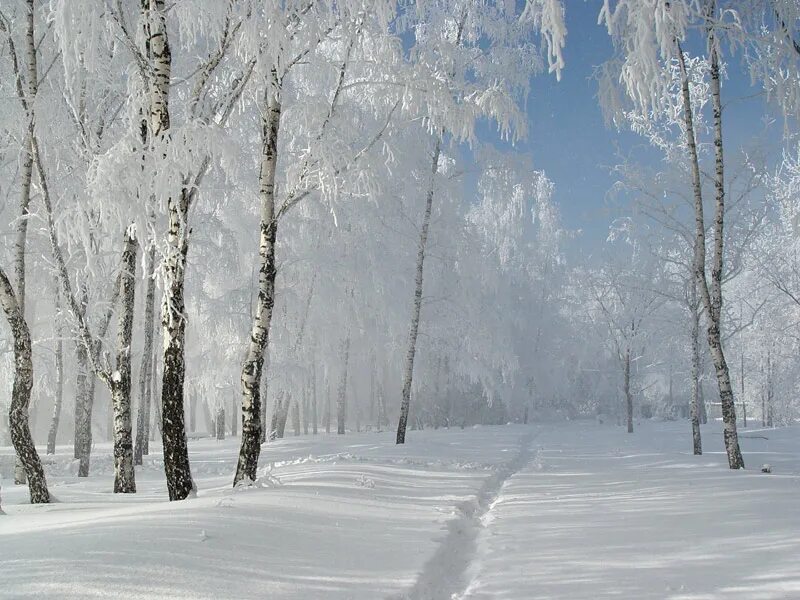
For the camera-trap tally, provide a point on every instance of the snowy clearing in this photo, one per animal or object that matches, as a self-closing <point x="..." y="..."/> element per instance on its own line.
<point x="576" y="510"/>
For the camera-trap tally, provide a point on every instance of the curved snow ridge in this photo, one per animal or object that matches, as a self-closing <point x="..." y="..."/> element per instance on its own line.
<point x="450" y="571"/>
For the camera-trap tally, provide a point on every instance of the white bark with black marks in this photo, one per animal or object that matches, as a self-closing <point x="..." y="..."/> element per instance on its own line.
<point x="712" y="298"/>
<point x="411" y="350"/>
<point x="252" y="368"/>
<point x="173" y="315"/>
<point x="124" y="476"/>
<point x="694" y="409"/>
<point x="21" y="394"/>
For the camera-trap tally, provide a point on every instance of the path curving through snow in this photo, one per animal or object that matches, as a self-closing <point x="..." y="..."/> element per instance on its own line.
<point x="449" y="571"/>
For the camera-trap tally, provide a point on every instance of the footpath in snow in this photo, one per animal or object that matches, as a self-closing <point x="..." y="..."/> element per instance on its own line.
<point x="332" y="517"/>
<point x="603" y="514"/>
<point x="557" y="511"/>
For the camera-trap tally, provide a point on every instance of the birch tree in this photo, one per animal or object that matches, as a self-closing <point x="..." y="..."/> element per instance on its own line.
<point x="21" y="394"/>
<point x="452" y="31"/>
<point x="648" y="35"/>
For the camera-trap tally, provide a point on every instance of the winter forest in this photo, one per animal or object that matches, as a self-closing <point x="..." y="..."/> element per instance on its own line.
<point x="344" y="299"/>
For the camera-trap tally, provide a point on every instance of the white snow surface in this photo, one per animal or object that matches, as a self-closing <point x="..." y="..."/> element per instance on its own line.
<point x="549" y="511"/>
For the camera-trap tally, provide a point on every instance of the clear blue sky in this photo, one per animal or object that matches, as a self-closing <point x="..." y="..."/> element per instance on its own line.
<point x="570" y="141"/>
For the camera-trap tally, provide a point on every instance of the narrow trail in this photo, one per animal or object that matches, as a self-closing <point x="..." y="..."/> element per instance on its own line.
<point x="448" y="573"/>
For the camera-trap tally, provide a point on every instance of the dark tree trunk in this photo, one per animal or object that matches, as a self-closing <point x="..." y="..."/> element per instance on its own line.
<point x="341" y="401"/>
<point x="53" y="433"/>
<point x="219" y="421"/>
<point x="146" y="368"/>
<point x="327" y="404"/>
<point x="628" y="395"/>
<point x="284" y="402"/>
<point x="417" y="304"/>
<point x="21" y="394"/>
<point x="314" y="416"/>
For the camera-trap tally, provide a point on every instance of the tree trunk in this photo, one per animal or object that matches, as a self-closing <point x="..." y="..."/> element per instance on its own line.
<point x="59" y="334"/>
<point x="735" y="460"/>
<point x="21" y="394"/>
<point x="306" y="409"/>
<point x="273" y="424"/>
<point x="295" y="408"/>
<point x="697" y="444"/>
<point x="284" y="402"/>
<point x="150" y="428"/>
<point x="27" y="97"/>
<point x="744" y="402"/>
<point x="259" y="334"/>
<point x="314" y="416"/>
<point x="701" y="397"/>
<point x="219" y="421"/>
<point x="146" y="368"/>
<point x="417" y="305"/>
<point x="234" y="415"/>
<point x="85" y="382"/>
<point x="627" y="385"/>
<point x="327" y="403"/>
<point x="264" y="429"/>
<point x="341" y="400"/>
<point x="124" y="476"/>
<point x="173" y="320"/>
<point x="770" y="392"/>
<point x="712" y="299"/>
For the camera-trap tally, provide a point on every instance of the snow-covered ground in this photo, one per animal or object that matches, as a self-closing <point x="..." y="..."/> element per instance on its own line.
<point x="573" y="511"/>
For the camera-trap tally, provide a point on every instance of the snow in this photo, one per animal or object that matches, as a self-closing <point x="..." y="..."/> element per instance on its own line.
<point x="567" y="510"/>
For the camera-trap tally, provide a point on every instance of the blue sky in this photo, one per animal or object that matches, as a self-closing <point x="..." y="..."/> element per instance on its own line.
<point x="570" y="141"/>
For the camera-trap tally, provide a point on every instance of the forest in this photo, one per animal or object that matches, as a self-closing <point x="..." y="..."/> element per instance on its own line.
<point x="241" y="237"/>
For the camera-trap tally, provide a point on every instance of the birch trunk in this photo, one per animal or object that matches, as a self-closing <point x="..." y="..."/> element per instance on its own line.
<point x="173" y="429"/>
<point x="327" y="403"/>
<point x="27" y="97"/>
<point x="124" y="476"/>
<point x="770" y="392"/>
<point x="146" y="369"/>
<point x="273" y="425"/>
<point x="735" y="460"/>
<point x="701" y="394"/>
<point x="233" y="416"/>
<point x="306" y="407"/>
<point x="263" y="394"/>
<point x="84" y="403"/>
<point x="744" y="402"/>
<point x="417" y="304"/>
<point x="283" y="413"/>
<point x="259" y="335"/>
<point x="59" y="334"/>
<point x="295" y="408"/>
<point x="314" y="415"/>
<point x="627" y="385"/>
<point x="712" y="299"/>
<point x="21" y="394"/>
<point x="697" y="444"/>
<point x="341" y="400"/>
<point x="219" y="421"/>
<point x="154" y="398"/>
